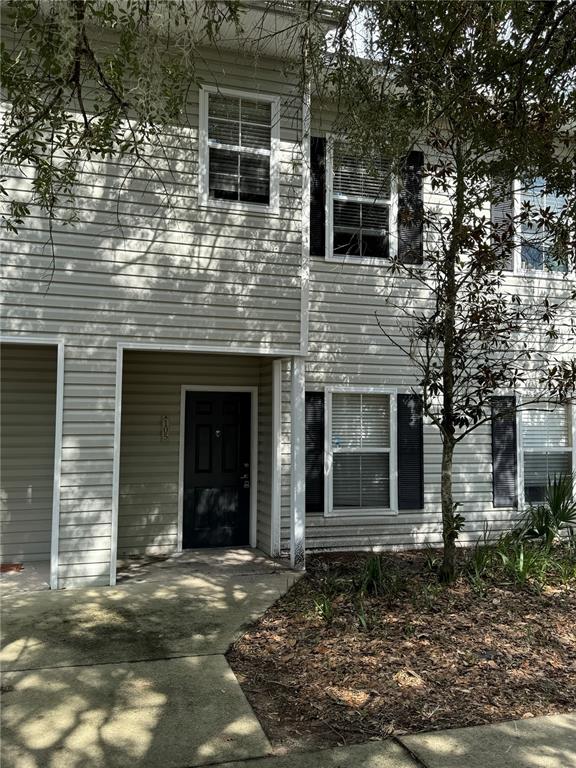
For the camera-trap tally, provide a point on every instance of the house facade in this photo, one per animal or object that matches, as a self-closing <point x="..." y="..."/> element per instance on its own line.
<point x="198" y="362"/>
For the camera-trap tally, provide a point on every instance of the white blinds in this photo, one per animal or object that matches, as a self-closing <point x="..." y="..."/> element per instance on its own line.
<point x="238" y="122"/>
<point x="239" y="140"/>
<point x="358" y="177"/>
<point x="547" y="441"/>
<point x="361" y="451"/>
<point x="360" y="421"/>
<point x="361" y="481"/>
<point x="548" y="427"/>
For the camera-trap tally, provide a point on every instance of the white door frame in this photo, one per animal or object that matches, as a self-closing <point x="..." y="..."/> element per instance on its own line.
<point x="253" y="452"/>
<point x="48" y="341"/>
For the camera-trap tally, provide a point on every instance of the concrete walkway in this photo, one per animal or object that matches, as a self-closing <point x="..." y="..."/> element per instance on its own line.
<point x="541" y="742"/>
<point x="135" y="675"/>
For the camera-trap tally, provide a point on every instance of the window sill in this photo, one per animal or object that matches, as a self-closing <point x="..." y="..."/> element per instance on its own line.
<point x="233" y="205"/>
<point x="542" y="274"/>
<point x="361" y="513"/>
<point x="365" y="261"/>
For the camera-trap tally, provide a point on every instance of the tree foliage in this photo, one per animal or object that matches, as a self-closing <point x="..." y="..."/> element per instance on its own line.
<point x="86" y="79"/>
<point x="488" y="91"/>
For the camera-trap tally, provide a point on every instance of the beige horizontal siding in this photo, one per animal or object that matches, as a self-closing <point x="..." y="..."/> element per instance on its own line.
<point x="85" y="528"/>
<point x="28" y="417"/>
<point x="347" y="347"/>
<point x="146" y="262"/>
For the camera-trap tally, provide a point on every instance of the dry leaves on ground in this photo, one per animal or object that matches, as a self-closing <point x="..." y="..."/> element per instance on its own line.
<point x="422" y="658"/>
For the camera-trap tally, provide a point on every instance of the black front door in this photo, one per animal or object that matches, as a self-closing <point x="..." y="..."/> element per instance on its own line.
<point x="216" y="470"/>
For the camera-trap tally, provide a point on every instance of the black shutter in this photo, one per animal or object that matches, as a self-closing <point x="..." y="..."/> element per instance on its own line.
<point x="410" y="211"/>
<point x="314" y="452"/>
<point x="410" y="452"/>
<point x="317" y="196"/>
<point x="504" y="463"/>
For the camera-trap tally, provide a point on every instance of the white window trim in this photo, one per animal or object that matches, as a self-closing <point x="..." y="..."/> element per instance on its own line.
<point x="517" y="268"/>
<point x="521" y="451"/>
<point x="392" y="203"/>
<point x="203" y="154"/>
<point x="355" y="513"/>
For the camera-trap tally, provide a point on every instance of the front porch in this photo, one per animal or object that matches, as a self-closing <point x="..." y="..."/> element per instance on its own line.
<point x="130" y="468"/>
<point x="231" y="561"/>
<point x="200" y="453"/>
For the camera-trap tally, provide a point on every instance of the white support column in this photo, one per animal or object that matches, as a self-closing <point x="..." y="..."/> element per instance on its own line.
<point x="298" y="462"/>
<point x="116" y="465"/>
<point x="276" y="501"/>
<point x="55" y="534"/>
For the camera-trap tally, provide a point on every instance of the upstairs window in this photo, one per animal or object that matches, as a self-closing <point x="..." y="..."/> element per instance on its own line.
<point x="528" y="246"/>
<point x="536" y="250"/>
<point x="547" y="447"/>
<point x="361" y="205"/>
<point x="238" y="149"/>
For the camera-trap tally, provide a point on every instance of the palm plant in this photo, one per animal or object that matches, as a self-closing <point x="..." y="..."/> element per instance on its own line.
<point x="557" y="513"/>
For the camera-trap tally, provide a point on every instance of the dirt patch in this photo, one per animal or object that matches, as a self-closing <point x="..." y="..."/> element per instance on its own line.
<point x="329" y="665"/>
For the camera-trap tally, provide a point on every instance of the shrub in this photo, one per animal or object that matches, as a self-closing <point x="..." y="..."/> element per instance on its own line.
<point x="557" y="514"/>
<point x="377" y="580"/>
<point x="364" y="619"/>
<point x="324" y="608"/>
<point x="524" y="561"/>
<point x="372" y="577"/>
<point x="481" y="558"/>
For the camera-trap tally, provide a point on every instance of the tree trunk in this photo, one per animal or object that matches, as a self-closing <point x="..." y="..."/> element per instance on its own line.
<point x="447" y="571"/>
<point x="449" y="529"/>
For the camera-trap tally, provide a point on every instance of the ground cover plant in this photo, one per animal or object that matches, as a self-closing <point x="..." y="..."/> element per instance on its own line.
<point x="372" y="645"/>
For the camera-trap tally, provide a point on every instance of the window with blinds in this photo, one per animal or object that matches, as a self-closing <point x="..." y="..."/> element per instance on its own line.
<point x="537" y="247"/>
<point x="239" y="149"/>
<point x="547" y="447"/>
<point x="361" y="204"/>
<point x="360" y="451"/>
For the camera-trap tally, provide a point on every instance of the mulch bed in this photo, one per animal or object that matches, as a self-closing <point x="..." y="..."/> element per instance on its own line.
<point x="418" y="658"/>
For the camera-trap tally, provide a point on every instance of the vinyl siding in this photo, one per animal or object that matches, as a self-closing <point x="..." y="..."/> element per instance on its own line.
<point x="146" y="261"/>
<point x="149" y="466"/>
<point x="28" y="398"/>
<point x="146" y="264"/>
<point x="86" y="469"/>
<point x="347" y="347"/>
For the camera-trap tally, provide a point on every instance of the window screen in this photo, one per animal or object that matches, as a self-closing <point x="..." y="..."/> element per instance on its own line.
<point x="361" y="196"/>
<point x="361" y="451"/>
<point x="547" y="447"/>
<point x="537" y="249"/>
<point x="239" y="147"/>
